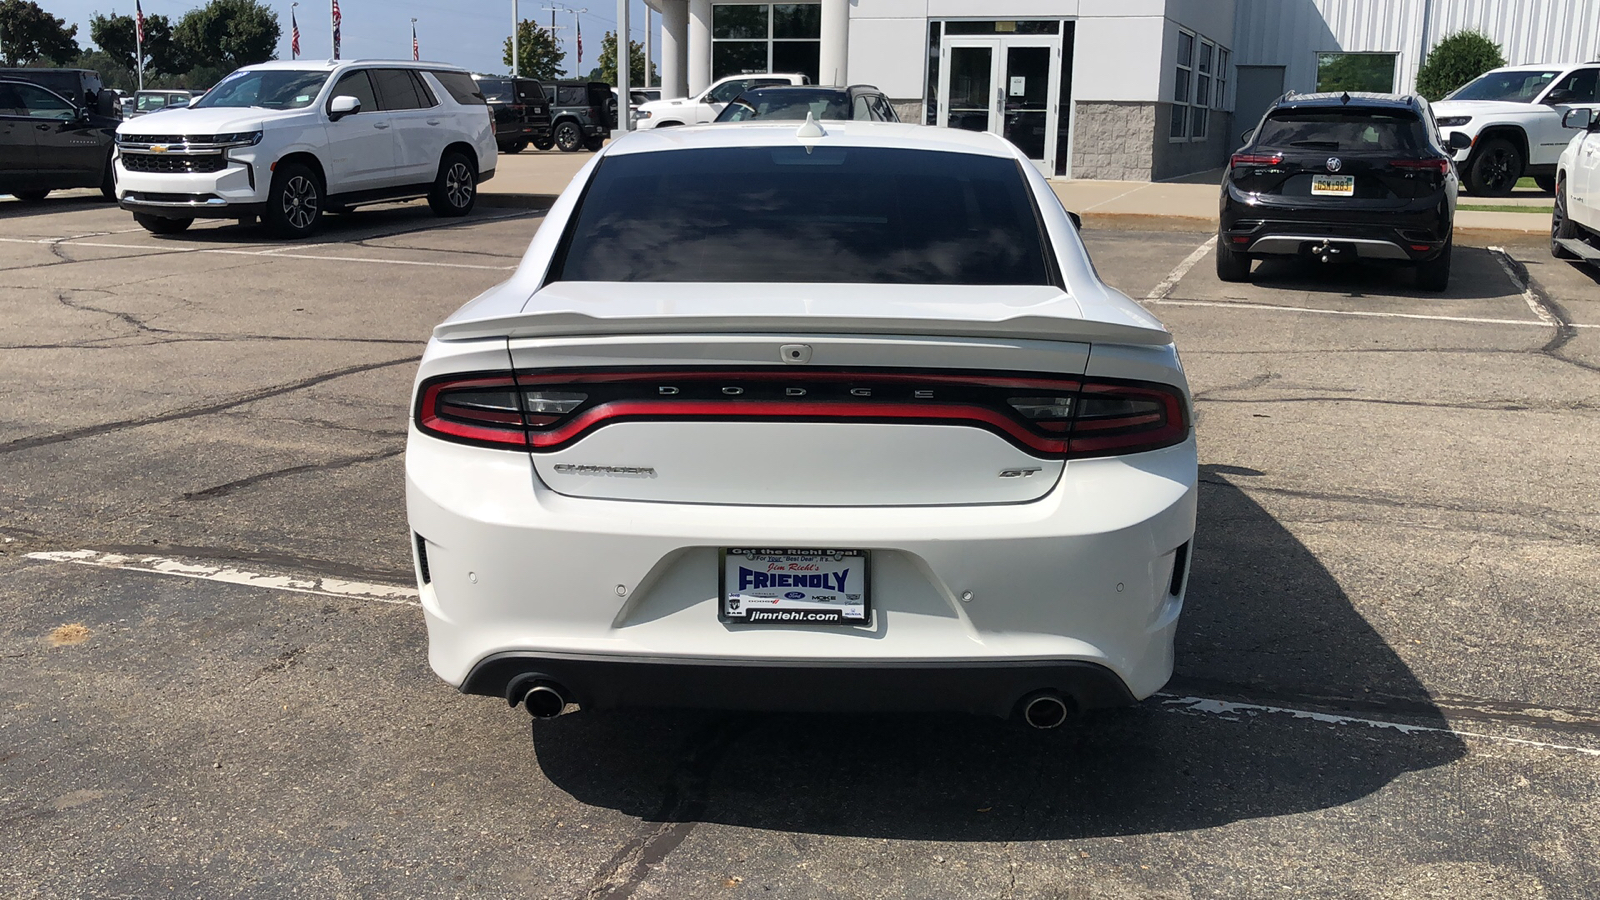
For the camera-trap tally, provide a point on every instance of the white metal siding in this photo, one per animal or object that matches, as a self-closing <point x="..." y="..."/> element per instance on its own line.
<point x="1291" y="33"/>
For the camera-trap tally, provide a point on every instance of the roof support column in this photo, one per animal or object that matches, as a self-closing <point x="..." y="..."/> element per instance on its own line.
<point x="700" y="46"/>
<point x="835" y="43"/>
<point x="674" y="48"/>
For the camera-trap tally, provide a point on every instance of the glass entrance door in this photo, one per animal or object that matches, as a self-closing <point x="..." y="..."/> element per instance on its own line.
<point x="1007" y="85"/>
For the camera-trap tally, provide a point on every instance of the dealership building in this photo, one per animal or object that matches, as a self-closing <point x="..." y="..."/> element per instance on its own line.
<point x="1122" y="89"/>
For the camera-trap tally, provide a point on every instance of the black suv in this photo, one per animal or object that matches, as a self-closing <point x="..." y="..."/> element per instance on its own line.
<point x="521" y="112"/>
<point x="1341" y="177"/>
<point x="581" y="113"/>
<point x="48" y="142"/>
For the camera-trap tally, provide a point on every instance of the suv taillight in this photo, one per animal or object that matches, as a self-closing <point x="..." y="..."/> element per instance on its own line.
<point x="1440" y="165"/>
<point x="1051" y="417"/>
<point x="1256" y="159"/>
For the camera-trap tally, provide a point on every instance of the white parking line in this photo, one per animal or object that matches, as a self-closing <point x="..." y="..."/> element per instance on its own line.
<point x="1469" y="320"/>
<point x="1504" y="259"/>
<point x="276" y="253"/>
<point x="305" y="584"/>
<point x="1235" y="711"/>
<point x="1160" y="291"/>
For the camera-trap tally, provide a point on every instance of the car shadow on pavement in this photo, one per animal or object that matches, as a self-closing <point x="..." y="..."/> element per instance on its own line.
<point x="1264" y="619"/>
<point x="12" y="208"/>
<point x="1474" y="276"/>
<point x="333" y="228"/>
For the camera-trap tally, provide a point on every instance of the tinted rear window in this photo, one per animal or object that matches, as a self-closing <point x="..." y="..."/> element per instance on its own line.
<point x="780" y="214"/>
<point x="1342" y="129"/>
<point x="791" y="104"/>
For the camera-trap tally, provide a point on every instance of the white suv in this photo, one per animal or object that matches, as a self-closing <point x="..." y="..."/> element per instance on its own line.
<point x="288" y="140"/>
<point x="1513" y="115"/>
<point x="703" y="109"/>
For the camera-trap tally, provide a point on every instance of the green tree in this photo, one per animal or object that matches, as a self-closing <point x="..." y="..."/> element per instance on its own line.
<point x="1455" y="61"/>
<point x="539" y="54"/>
<point x="226" y="34"/>
<point x="29" y="35"/>
<point x="113" y="73"/>
<point x="608" y="61"/>
<point x="115" y="37"/>
<point x="1371" y="72"/>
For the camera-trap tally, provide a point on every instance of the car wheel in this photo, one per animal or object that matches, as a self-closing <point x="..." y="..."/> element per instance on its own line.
<point x="594" y="144"/>
<point x="455" y="189"/>
<point x="295" y="201"/>
<point x="568" y="137"/>
<point x="519" y="146"/>
<point x="1495" y="169"/>
<point x="30" y="196"/>
<point x="162" y="224"/>
<point x="1231" y="264"/>
<point x="544" y="143"/>
<point x="1546" y="183"/>
<point x="1560" y="225"/>
<point x="1434" y="274"/>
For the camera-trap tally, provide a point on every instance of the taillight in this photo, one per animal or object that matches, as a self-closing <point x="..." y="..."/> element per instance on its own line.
<point x="1442" y="166"/>
<point x="1256" y="159"/>
<point x="1053" y="417"/>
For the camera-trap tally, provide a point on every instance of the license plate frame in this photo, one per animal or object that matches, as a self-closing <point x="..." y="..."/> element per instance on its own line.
<point x="740" y="600"/>
<point x="1333" y="186"/>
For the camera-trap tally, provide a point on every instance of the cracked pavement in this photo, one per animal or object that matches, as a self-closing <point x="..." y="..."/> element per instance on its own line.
<point x="1386" y="673"/>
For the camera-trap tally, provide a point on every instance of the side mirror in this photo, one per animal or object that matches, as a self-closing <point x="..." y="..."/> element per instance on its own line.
<point x="1077" y="220"/>
<point x="343" y="106"/>
<point x="1582" y="117"/>
<point x="1458" y="141"/>
<point x="1244" y="136"/>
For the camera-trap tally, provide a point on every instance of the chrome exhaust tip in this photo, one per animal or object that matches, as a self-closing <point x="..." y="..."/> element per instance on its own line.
<point x="1046" y="709"/>
<point x="545" y="700"/>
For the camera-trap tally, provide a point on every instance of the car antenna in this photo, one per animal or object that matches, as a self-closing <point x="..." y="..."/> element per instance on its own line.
<point x="1345" y="98"/>
<point x="810" y="129"/>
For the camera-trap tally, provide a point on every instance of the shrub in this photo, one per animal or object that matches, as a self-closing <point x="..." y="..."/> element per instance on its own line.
<point x="1455" y="61"/>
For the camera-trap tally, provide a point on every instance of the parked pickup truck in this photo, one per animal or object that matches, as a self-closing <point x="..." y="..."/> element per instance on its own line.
<point x="1513" y="115"/>
<point x="1575" y="222"/>
<point x="704" y="108"/>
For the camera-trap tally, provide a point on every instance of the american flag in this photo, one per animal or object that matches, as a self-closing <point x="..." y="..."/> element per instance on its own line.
<point x="416" y="52"/>
<point x="580" y="38"/>
<point x="294" y="36"/>
<point x="336" y="20"/>
<point x="138" y="17"/>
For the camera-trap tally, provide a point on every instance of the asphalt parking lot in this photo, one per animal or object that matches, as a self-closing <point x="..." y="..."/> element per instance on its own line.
<point x="212" y="670"/>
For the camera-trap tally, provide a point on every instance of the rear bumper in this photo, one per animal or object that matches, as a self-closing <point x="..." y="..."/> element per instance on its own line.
<point x="1414" y="232"/>
<point x="979" y="688"/>
<point x="622" y="598"/>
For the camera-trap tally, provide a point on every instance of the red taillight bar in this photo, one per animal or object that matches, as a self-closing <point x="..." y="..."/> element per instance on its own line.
<point x="1442" y="166"/>
<point x="1132" y="416"/>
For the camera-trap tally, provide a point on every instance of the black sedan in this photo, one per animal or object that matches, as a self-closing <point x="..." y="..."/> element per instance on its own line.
<point x="1341" y="177"/>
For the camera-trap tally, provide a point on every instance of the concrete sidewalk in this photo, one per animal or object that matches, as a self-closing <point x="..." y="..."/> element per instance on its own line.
<point x="532" y="179"/>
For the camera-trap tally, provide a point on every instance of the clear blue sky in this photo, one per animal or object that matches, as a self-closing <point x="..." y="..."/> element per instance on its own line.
<point x="468" y="33"/>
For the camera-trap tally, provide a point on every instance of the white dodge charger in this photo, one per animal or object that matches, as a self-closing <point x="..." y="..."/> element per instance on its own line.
<point x="828" y="418"/>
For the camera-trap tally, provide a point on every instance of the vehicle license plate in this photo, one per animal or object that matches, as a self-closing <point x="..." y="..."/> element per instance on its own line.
<point x="795" y="587"/>
<point x="1333" y="185"/>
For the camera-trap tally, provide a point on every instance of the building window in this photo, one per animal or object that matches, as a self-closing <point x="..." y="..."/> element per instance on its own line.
<point x="760" y="37"/>
<point x="1182" y="85"/>
<point x="1220" y="101"/>
<point x="1338" y="72"/>
<point x="1200" y="116"/>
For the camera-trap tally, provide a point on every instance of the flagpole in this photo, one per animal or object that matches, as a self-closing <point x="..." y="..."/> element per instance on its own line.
<point x="138" y="41"/>
<point x="294" y="33"/>
<point x="624" y="64"/>
<point x="416" y="50"/>
<point x="516" y="58"/>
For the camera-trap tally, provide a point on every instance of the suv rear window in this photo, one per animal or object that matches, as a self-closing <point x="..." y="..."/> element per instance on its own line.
<point x="572" y="95"/>
<point x="1342" y="129"/>
<point x="813" y="215"/>
<point x="462" y="88"/>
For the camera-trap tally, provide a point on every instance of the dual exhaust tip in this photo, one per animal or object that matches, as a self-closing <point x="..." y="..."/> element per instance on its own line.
<point x="545" y="699"/>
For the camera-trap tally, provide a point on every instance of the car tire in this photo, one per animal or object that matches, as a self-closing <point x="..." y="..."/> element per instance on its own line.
<point x="594" y="144"/>
<point x="1495" y="168"/>
<point x="108" y="182"/>
<point x="543" y="143"/>
<point x="1434" y="274"/>
<point x="162" y="224"/>
<point x="455" y="188"/>
<point x="30" y="196"/>
<point x="1560" y="225"/>
<point x="1546" y="183"/>
<point x="1231" y="264"/>
<point x="295" y="201"/>
<point x="569" y="137"/>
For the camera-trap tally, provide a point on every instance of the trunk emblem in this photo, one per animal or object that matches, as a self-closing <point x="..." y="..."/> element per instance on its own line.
<point x="1021" y="472"/>
<point x="1334" y="164"/>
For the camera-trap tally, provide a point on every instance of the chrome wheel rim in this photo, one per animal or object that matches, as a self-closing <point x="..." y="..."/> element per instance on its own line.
<point x="458" y="186"/>
<point x="567" y="136"/>
<point x="300" y="202"/>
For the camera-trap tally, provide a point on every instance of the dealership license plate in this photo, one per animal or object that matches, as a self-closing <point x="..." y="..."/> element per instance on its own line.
<point x="1333" y="185"/>
<point x="764" y="586"/>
